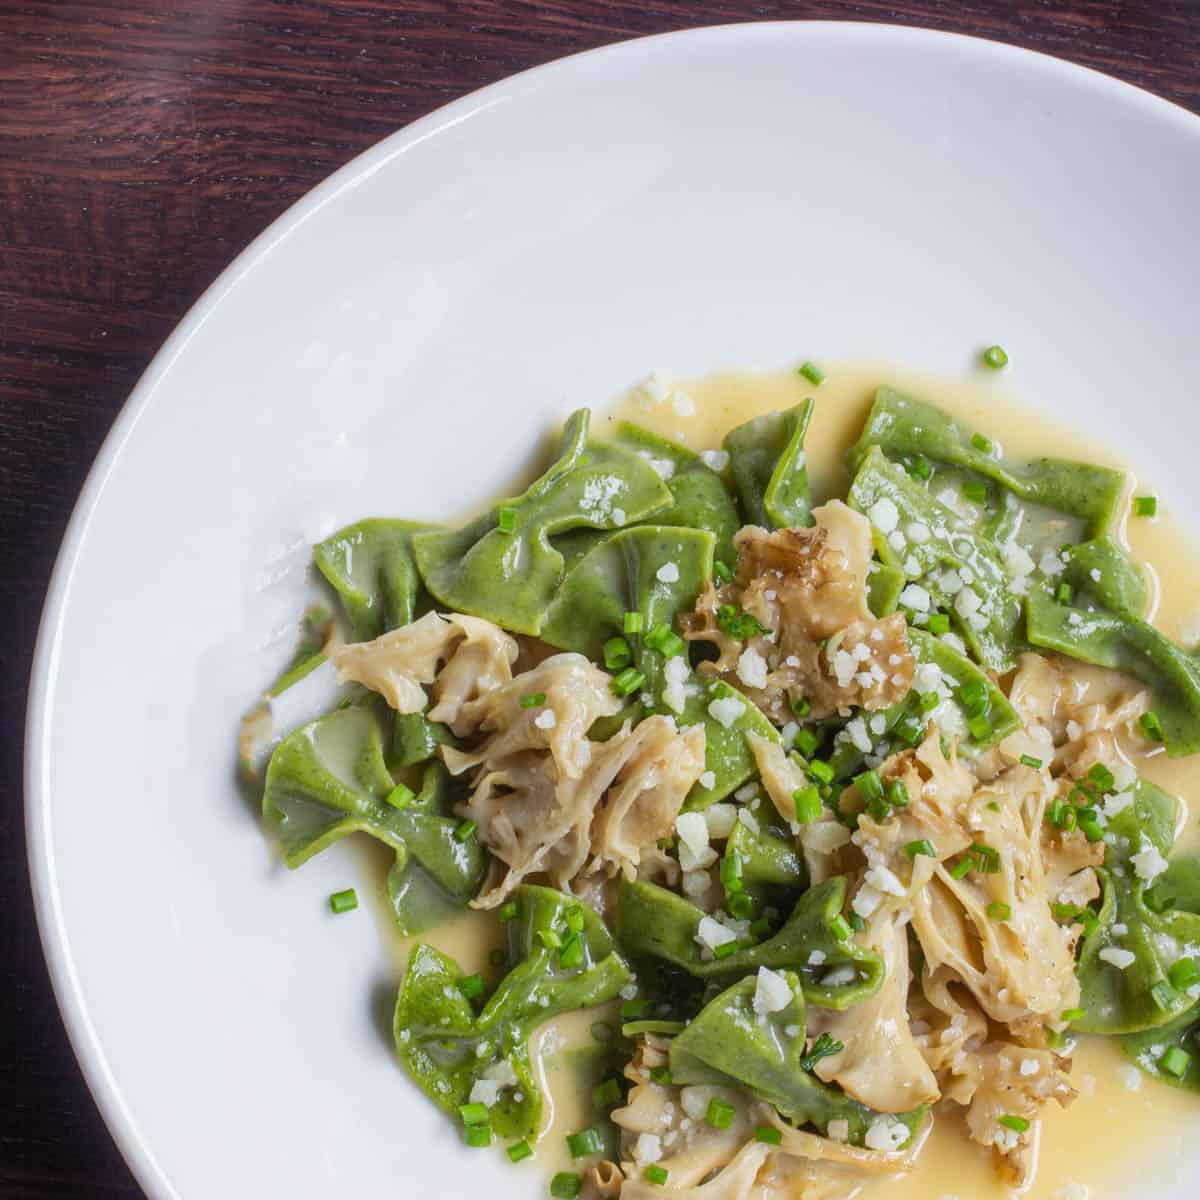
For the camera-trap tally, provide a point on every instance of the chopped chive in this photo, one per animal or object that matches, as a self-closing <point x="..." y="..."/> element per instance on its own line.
<point x="870" y="786"/>
<point x="632" y="622"/>
<point x="656" y="1174"/>
<point x="741" y="905"/>
<point x="823" y="1047"/>
<point x="474" y="1114"/>
<point x="1176" y="1062"/>
<point x="910" y="729"/>
<point x="738" y="624"/>
<point x="465" y="830"/>
<point x="617" y="653"/>
<point x="918" y="467"/>
<point x="628" y="681"/>
<point x="506" y="912"/>
<point x="939" y="623"/>
<point x="897" y="793"/>
<point x="345" y="901"/>
<point x="801" y="708"/>
<point x="1015" y="1123"/>
<point x="812" y="373"/>
<point x="1163" y="995"/>
<point x="1071" y="1015"/>
<point x="1151" y="726"/>
<point x="999" y="911"/>
<point x="585" y="1142"/>
<point x="1183" y="973"/>
<point x="808" y="804"/>
<point x="820" y="770"/>
<point x="401" y="796"/>
<point x="731" y="872"/>
<point x="973" y="696"/>
<point x="1064" y="593"/>
<point x="769" y="1135"/>
<point x="607" y="1094"/>
<point x="840" y="927"/>
<point x="1030" y="761"/>
<point x="571" y="955"/>
<point x="1145" y="506"/>
<point x="924" y="846"/>
<point x="1102" y="777"/>
<point x="1091" y="829"/>
<point x="602" y="1031"/>
<point x="635" y="1009"/>
<point x="856" y="922"/>
<point x="962" y="868"/>
<point x="479" y="1136"/>
<point x="1065" y="912"/>
<point x="532" y="700"/>
<point x="988" y="858"/>
<point x="980" y="727"/>
<point x="806" y="742"/>
<point x="726" y="950"/>
<point x="566" y="1185"/>
<point x="995" y="357"/>
<point x="497" y="957"/>
<point x="507" y="519"/>
<point x="720" y="1113"/>
<point x="550" y="938"/>
<point x="982" y="443"/>
<point x="661" y="1076"/>
<point x="519" y="1151"/>
<point x="722" y="573"/>
<point x="976" y="491"/>
<point x="672" y="645"/>
<point x="471" y="986"/>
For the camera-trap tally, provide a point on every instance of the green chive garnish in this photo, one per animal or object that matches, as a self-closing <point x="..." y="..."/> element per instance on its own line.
<point x="464" y="831"/>
<point x="731" y="872"/>
<point x="506" y="912"/>
<point x="726" y="950"/>
<point x="1064" y="593"/>
<point x="939" y="623"/>
<point x="1175" y="1062"/>
<point x="812" y="373"/>
<point x="519" y="1151"/>
<point x="769" y="1135"/>
<point x="342" y="902"/>
<point x="1145" y="506"/>
<point x="741" y="905"/>
<point x="1163" y="995"/>
<point x="1015" y="1123"/>
<point x="801" y="708"/>
<point x="617" y="654"/>
<point x="507" y="519"/>
<point x="1071" y="1015"/>
<point x="566" y="1185"/>
<point x="840" y="927"/>
<point x="994" y="357"/>
<point x="607" y="1094"/>
<point x="856" y="922"/>
<point x="571" y="955"/>
<point x="808" y="804"/>
<point x="720" y="1113"/>
<point x="1151" y="726"/>
<point x="962" y="868"/>
<point x="1183" y="973"/>
<point x="532" y="700"/>
<point x="975" y="491"/>
<point x="656" y="1174"/>
<point x="585" y="1142"/>
<point x="628" y="681"/>
<point x="980" y="727"/>
<point x="722" y="573"/>
<point x="474" y="1114"/>
<point x="820" y="770"/>
<point x="479" y="1136"/>
<point x="987" y="857"/>
<point x="637" y="1008"/>
<point x="632" y="622"/>
<point x="981" y="443"/>
<point x="918" y="467"/>
<point x="1030" y="761"/>
<point x="807" y="742"/>
<point x="999" y="911"/>
<point x="471" y="986"/>
<point x="924" y="846"/>
<point x="897" y="793"/>
<point x="823" y="1047"/>
<point x="870" y="786"/>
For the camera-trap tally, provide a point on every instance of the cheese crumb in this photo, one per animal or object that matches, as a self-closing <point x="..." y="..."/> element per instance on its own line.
<point x="720" y="817"/>
<point x="667" y="573"/>
<point x="710" y="933"/>
<point x="715" y="460"/>
<point x="838" y="1131"/>
<point x="772" y="992"/>
<point x="708" y="779"/>
<point x="1117" y="957"/>
<point x="648" y="1148"/>
<point x="1148" y="863"/>
<point x="752" y="668"/>
<point x="886" y="1134"/>
<point x="883" y="515"/>
<point x="915" y="597"/>
<point x="545" y="719"/>
<point x="726" y="711"/>
<point x="884" y="879"/>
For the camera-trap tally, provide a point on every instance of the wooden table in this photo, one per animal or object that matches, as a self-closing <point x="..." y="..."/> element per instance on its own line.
<point x="143" y="143"/>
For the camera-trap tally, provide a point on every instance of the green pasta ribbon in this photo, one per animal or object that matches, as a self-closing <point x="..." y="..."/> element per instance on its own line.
<point x="504" y="566"/>
<point x="731" y="1044"/>
<point x="329" y="779"/>
<point x="653" y="922"/>
<point x="371" y="566"/>
<point x="952" y="543"/>
<point x="447" y="1047"/>
<point x="901" y="426"/>
<point x="1116" y="999"/>
<point x="1126" y="644"/>
<point x="767" y="462"/>
<point x="700" y="499"/>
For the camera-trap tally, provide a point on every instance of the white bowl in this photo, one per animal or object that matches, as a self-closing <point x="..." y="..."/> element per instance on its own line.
<point x="394" y="344"/>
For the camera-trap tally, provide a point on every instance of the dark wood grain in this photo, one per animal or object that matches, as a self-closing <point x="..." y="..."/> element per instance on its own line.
<point x="142" y="145"/>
